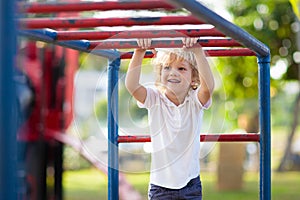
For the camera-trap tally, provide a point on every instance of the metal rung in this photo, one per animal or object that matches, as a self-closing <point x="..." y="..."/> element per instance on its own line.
<point x="249" y="137"/>
<point x="46" y="7"/>
<point x="36" y="23"/>
<point x="102" y="35"/>
<point x="162" y="44"/>
<point x="211" y="53"/>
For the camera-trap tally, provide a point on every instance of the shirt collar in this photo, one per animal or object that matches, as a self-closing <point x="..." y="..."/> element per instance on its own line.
<point x="170" y="103"/>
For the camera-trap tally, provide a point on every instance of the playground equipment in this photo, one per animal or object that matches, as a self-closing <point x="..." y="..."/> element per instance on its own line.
<point x="240" y="43"/>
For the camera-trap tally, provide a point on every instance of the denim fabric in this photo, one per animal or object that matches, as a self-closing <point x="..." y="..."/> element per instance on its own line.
<point x="192" y="191"/>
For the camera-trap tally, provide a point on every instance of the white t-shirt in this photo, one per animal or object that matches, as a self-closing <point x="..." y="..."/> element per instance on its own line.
<point x="175" y="138"/>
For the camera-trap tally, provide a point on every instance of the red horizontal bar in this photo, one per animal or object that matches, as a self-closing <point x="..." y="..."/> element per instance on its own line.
<point x="162" y="44"/>
<point x="210" y="53"/>
<point x="34" y="23"/>
<point x="132" y="138"/>
<point x="102" y="35"/>
<point x="89" y="6"/>
<point x="249" y="137"/>
<point x="231" y="52"/>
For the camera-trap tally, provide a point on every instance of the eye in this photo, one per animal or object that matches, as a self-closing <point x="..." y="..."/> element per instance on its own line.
<point x="182" y="69"/>
<point x="166" y="67"/>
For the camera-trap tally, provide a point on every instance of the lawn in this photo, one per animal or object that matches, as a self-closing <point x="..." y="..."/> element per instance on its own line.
<point x="91" y="184"/>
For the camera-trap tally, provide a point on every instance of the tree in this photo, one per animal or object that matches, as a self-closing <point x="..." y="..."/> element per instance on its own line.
<point x="287" y="153"/>
<point x="275" y="24"/>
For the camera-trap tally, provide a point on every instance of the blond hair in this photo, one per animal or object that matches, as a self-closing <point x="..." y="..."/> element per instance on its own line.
<point x="167" y="56"/>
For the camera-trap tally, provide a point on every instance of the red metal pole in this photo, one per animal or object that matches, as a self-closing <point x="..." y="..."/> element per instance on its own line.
<point x="102" y="35"/>
<point x="162" y="44"/>
<point x="33" y="23"/>
<point x="249" y="137"/>
<point x="89" y="6"/>
<point x="210" y="53"/>
<point x="231" y="52"/>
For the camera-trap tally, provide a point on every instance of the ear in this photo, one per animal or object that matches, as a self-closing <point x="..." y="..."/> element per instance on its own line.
<point x="194" y="85"/>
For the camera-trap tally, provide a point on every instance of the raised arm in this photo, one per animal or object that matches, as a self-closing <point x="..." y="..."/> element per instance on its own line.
<point x="205" y="73"/>
<point x="206" y="76"/>
<point x="132" y="81"/>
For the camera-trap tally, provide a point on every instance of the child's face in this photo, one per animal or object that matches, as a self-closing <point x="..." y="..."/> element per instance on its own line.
<point x="177" y="76"/>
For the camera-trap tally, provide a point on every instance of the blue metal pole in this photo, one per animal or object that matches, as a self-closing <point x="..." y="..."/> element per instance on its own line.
<point x="265" y="127"/>
<point x="226" y="27"/>
<point x="8" y="157"/>
<point x="49" y="36"/>
<point x="112" y="120"/>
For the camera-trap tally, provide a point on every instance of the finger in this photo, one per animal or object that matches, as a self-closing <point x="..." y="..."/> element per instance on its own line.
<point x="189" y="42"/>
<point x="195" y="41"/>
<point x="183" y="41"/>
<point x="154" y="51"/>
<point x="147" y="43"/>
<point x="139" y="42"/>
<point x="143" y="43"/>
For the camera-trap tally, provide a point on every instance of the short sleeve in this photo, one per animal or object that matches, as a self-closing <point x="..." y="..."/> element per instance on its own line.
<point x="195" y="98"/>
<point x="151" y="98"/>
<point x="208" y="104"/>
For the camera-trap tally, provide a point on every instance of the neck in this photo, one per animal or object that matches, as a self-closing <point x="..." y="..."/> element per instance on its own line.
<point x="177" y="99"/>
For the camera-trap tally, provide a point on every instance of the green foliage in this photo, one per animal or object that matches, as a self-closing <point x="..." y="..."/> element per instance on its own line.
<point x="101" y="110"/>
<point x="73" y="160"/>
<point x="92" y="62"/>
<point x="239" y="77"/>
<point x="128" y="108"/>
<point x="272" y="22"/>
<point x="282" y="109"/>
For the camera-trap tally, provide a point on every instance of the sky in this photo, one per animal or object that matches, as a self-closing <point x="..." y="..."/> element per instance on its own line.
<point x="217" y="6"/>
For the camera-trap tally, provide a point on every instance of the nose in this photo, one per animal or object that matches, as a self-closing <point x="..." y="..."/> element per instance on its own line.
<point x="173" y="72"/>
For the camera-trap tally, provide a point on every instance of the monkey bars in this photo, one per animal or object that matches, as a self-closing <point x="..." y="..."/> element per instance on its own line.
<point x="224" y="39"/>
<point x="52" y="36"/>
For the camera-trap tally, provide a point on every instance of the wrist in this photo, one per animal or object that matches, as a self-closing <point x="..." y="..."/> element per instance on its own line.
<point x="198" y="51"/>
<point x="140" y="50"/>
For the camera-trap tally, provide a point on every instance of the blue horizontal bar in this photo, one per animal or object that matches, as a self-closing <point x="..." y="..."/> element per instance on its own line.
<point x="42" y="34"/>
<point x="49" y="36"/>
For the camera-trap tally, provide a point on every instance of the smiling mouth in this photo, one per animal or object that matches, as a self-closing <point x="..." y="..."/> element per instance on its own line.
<point x="173" y="81"/>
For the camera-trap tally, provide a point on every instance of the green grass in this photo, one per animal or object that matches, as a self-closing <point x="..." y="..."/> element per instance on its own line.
<point x="91" y="184"/>
<point x="84" y="184"/>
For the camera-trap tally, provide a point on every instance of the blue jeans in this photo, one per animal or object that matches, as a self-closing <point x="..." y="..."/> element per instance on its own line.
<point x="192" y="191"/>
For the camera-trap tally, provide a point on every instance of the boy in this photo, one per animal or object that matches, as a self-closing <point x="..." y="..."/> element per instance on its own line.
<point x="184" y="87"/>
